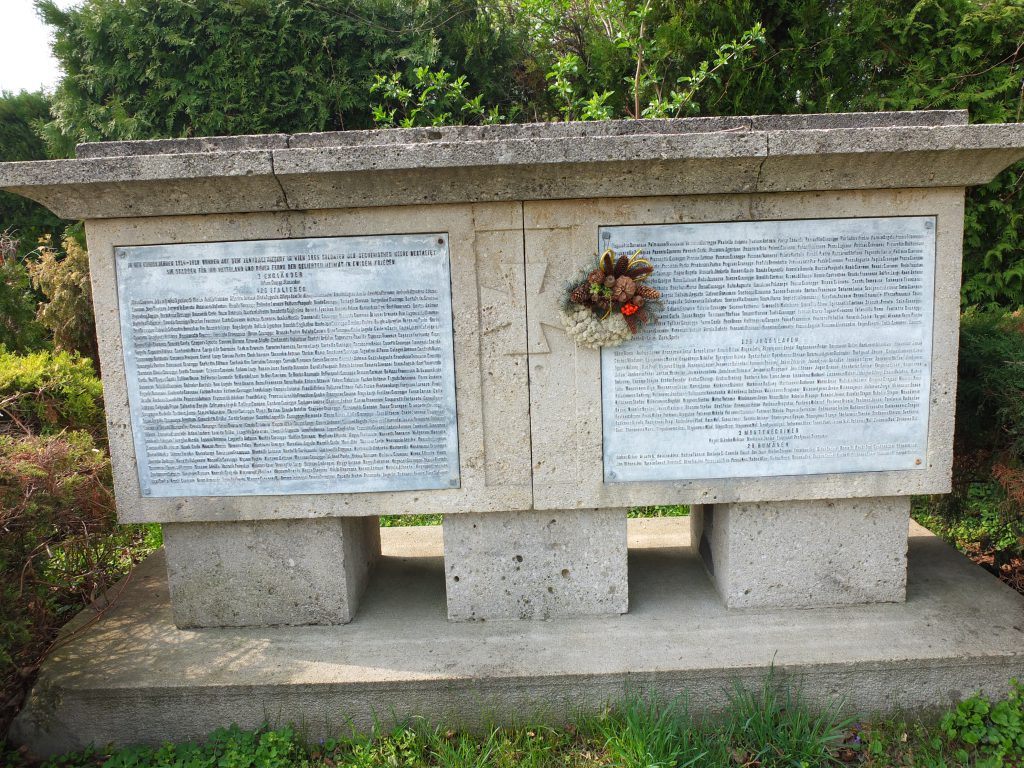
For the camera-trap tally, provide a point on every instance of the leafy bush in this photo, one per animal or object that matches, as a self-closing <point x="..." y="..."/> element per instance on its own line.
<point x="250" y="66"/>
<point x="19" y="330"/>
<point x="311" y="67"/>
<point x="45" y="393"/>
<point x="987" y="502"/>
<point x="26" y="220"/>
<point x="63" y="278"/>
<point x="431" y="98"/>
<point x="960" y="54"/>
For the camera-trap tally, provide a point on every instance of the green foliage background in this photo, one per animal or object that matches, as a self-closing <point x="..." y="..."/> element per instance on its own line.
<point x="140" y="69"/>
<point x="21" y="118"/>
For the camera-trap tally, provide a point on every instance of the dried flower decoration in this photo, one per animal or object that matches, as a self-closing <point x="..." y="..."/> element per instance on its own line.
<point x="610" y="304"/>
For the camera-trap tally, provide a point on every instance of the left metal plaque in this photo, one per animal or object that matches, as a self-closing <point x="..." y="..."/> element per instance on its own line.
<point x="271" y="367"/>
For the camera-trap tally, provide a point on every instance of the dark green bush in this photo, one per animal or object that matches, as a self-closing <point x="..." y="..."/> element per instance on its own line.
<point x="21" y="115"/>
<point x="986" y="507"/>
<point x="158" y="68"/>
<point x="19" y="330"/>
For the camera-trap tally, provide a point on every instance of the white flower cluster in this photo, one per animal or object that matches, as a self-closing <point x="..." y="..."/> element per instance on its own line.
<point x="588" y="330"/>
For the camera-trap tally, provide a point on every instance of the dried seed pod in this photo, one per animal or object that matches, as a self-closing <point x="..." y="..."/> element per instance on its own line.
<point x="624" y="289"/>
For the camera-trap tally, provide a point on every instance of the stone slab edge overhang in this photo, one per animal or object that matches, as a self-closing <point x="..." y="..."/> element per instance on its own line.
<point x="277" y="172"/>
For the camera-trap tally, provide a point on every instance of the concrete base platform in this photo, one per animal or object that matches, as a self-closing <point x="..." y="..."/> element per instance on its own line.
<point x="132" y="677"/>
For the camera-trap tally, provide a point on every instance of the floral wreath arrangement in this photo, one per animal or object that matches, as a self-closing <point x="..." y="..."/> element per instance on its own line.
<point x="610" y="304"/>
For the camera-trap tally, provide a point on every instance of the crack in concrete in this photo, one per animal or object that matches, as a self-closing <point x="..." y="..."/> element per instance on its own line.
<point x="273" y="172"/>
<point x="767" y="154"/>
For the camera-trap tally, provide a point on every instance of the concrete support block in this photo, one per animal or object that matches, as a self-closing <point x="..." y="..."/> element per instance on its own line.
<point x="267" y="572"/>
<point x="536" y="565"/>
<point x="804" y="554"/>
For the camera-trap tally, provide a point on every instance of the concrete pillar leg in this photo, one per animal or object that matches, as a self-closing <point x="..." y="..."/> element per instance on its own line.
<point x="803" y="554"/>
<point x="535" y="565"/>
<point x="265" y="572"/>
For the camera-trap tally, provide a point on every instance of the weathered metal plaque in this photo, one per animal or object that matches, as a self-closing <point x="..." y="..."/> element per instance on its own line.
<point x="784" y="348"/>
<point x="290" y="366"/>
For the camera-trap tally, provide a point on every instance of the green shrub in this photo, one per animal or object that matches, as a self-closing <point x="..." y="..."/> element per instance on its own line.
<point x="19" y="330"/>
<point x="254" y="66"/>
<point x="987" y="502"/>
<point x="25" y="219"/>
<point x="44" y="393"/>
<point x="990" y="393"/>
<point x="62" y="276"/>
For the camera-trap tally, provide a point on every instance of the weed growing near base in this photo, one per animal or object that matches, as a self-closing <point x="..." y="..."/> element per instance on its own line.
<point x="989" y="733"/>
<point x="645" y="731"/>
<point x="775" y="728"/>
<point x="771" y="727"/>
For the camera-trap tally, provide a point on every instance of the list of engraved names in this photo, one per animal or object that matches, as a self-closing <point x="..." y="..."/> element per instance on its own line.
<point x="290" y="366"/>
<point x="782" y="348"/>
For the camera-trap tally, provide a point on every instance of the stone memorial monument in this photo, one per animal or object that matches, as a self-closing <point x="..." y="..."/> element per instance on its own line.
<point x="299" y="334"/>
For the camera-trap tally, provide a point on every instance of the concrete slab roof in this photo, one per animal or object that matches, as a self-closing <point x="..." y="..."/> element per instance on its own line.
<point x="277" y="172"/>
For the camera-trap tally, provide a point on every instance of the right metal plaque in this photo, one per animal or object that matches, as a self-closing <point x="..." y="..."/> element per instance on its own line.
<point x="783" y="348"/>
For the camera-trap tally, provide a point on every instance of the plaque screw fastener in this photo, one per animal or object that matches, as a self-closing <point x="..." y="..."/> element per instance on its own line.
<point x="917" y="461"/>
